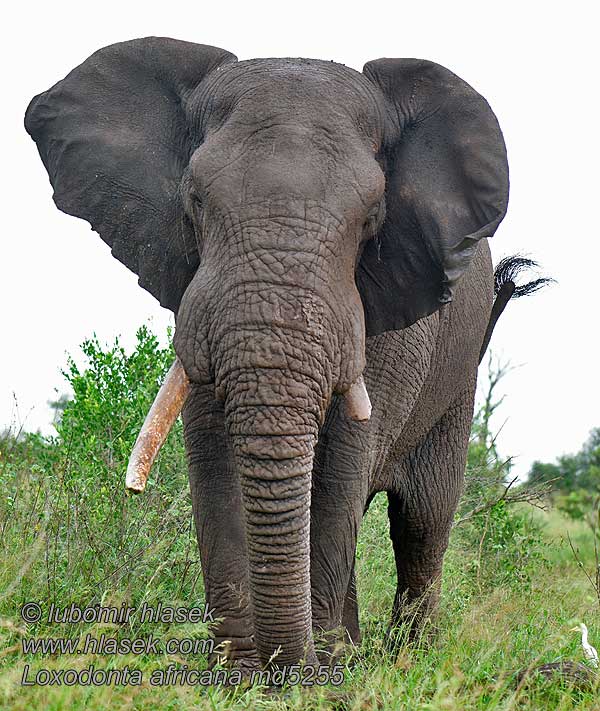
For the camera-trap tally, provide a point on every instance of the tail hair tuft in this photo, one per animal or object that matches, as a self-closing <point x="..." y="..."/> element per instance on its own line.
<point x="511" y="268"/>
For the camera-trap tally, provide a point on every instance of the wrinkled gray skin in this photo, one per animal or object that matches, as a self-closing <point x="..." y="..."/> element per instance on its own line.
<point x="284" y="191"/>
<point x="422" y="382"/>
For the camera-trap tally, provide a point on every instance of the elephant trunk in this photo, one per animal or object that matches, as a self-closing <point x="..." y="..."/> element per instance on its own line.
<point x="276" y="378"/>
<point x="273" y="449"/>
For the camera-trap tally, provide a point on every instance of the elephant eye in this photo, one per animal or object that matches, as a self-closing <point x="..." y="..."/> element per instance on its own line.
<point x="195" y="213"/>
<point x="195" y="200"/>
<point x="194" y="206"/>
<point x="374" y="220"/>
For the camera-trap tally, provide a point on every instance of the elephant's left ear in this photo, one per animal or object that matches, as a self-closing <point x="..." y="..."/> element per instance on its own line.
<point x="446" y="188"/>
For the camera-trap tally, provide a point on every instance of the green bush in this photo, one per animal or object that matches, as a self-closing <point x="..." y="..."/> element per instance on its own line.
<point x="509" y="546"/>
<point x="111" y="397"/>
<point x="575" y="477"/>
<point x="69" y="489"/>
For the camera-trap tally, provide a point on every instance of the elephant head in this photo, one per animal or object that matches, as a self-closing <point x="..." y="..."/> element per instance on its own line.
<point x="285" y="210"/>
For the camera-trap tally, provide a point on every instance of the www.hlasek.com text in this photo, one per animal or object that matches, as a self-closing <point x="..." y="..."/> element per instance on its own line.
<point x="106" y="645"/>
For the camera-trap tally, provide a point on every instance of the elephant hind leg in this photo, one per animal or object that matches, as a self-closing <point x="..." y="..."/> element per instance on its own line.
<point x="421" y="511"/>
<point x="419" y="556"/>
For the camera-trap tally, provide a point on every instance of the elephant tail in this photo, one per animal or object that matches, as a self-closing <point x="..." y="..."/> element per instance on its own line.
<point x="506" y="288"/>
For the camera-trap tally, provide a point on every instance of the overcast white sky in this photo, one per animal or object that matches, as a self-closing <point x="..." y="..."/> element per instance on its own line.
<point x="537" y="65"/>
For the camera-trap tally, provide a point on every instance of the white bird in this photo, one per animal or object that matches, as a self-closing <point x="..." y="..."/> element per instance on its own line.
<point x="588" y="650"/>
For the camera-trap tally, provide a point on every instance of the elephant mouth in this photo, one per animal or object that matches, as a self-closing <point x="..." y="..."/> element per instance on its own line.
<point x="167" y="406"/>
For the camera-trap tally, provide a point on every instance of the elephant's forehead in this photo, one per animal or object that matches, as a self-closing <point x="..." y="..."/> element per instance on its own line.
<point x="307" y="87"/>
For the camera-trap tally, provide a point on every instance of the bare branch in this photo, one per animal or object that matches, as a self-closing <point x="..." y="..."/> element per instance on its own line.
<point x="534" y="496"/>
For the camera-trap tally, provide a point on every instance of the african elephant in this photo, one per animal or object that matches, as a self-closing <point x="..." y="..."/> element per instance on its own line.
<point x="321" y="235"/>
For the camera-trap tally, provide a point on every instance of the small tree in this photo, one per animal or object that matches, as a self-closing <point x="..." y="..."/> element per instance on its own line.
<point x="504" y="543"/>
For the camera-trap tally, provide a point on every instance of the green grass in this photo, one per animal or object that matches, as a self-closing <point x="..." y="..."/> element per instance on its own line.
<point x="486" y="632"/>
<point x="512" y="588"/>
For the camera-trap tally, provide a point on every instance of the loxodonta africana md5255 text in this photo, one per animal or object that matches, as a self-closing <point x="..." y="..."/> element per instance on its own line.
<point x="321" y="235"/>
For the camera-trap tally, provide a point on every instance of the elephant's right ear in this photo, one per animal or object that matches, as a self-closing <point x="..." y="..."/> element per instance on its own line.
<point x="115" y="141"/>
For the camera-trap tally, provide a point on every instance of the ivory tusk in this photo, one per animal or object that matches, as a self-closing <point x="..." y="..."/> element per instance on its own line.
<point x="357" y="399"/>
<point x="164" y="411"/>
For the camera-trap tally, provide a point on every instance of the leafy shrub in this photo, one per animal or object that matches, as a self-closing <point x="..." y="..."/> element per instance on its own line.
<point x="68" y="491"/>
<point x="110" y="399"/>
<point x="509" y="545"/>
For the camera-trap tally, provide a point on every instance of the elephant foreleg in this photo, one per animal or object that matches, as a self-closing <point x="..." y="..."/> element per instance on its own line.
<point x="339" y="494"/>
<point x="334" y="529"/>
<point x="350" y="615"/>
<point x="350" y="612"/>
<point x="219" y="519"/>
